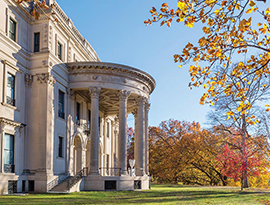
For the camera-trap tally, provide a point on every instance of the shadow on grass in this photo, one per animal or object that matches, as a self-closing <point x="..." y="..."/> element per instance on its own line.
<point x="160" y="194"/>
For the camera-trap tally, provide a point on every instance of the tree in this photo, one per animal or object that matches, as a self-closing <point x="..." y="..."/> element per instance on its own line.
<point x="231" y="114"/>
<point x="237" y="160"/>
<point x="130" y="144"/>
<point x="232" y="30"/>
<point x="183" y="152"/>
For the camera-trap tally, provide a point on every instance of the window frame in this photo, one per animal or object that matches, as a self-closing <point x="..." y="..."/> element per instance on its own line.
<point x="60" y="150"/>
<point x="11" y="100"/>
<point x="59" y="51"/>
<point x="78" y="113"/>
<point x="108" y="129"/>
<point x="14" y="33"/>
<point x="12" y="165"/>
<point x="38" y="46"/>
<point x="61" y="113"/>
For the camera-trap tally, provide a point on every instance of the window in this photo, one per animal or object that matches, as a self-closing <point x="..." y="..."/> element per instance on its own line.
<point x="108" y="129"/>
<point x="12" y="29"/>
<point x="61" y="104"/>
<point x="9" y="154"/>
<point x="36" y="42"/>
<point x="59" y="50"/>
<point x="78" y="110"/>
<point x="10" y="89"/>
<point x="89" y="120"/>
<point x="107" y="164"/>
<point x="99" y="121"/>
<point x="60" y="147"/>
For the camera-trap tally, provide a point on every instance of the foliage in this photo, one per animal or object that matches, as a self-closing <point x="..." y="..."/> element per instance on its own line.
<point x="241" y="157"/>
<point x="130" y="144"/>
<point x="235" y="36"/>
<point x="183" y="152"/>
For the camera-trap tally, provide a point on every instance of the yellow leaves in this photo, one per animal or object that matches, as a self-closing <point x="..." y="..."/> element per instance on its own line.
<point x="251" y="3"/>
<point x="181" y="5"/>
<point x="189" y="24"/>
<point x="264" y="29"/>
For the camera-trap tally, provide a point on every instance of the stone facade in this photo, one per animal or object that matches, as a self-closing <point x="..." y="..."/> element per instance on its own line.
<point x="63" y="112"/>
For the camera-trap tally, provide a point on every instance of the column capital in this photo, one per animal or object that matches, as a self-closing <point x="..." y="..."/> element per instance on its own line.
<point x="147" y="106"/>
<point x="94" y="92"/>
<point x="141" y="101"/>
<point x="70" y="92"/>
<point x="135" y="112"/>
<point x="28" y="79"/>
<point x="123" y="94"/>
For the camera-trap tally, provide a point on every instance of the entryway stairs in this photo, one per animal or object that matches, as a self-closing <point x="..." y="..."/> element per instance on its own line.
<point x="66" y="185"/>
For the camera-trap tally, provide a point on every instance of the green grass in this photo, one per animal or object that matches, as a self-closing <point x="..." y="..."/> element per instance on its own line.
<point x="159" y="194"/>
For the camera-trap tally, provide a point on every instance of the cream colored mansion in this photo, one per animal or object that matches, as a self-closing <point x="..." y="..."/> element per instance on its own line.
<point x="63" y="112"/>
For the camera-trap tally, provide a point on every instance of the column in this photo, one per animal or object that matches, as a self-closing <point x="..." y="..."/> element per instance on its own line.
<point x="139" y="138"/>
<point x="122" y="142"/>
<point x="94" y="142"/>
<point x="146" y="141"/>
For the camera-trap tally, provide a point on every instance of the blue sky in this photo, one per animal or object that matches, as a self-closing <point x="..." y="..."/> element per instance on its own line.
<point x="116" y="31"/>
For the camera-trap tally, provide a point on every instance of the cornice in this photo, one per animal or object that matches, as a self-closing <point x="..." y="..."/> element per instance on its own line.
<point x="111" y="69"/>
<point x="7" y="122"/>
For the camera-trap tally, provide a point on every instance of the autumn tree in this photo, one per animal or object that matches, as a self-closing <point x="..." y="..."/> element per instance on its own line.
<point x="235" y="36"/>
<point x="183" y="152"/>
<point x="236" y="163"/>
<point x="130" y="144"/>
<point x="230" y="113"/>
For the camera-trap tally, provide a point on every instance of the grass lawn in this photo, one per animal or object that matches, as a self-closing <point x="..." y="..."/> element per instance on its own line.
<point x="159" y="194"/>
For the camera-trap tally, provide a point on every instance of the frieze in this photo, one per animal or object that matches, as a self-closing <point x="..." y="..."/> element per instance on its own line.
<point x="112" y="69"/>
<point x="45" y="78"/>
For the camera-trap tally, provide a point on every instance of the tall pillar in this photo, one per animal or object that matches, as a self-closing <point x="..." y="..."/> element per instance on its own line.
<point x="122" y="142"/>
<point x="139" y="151"/>
<point x="94" y="142"/>
<point x="146" y="142"/>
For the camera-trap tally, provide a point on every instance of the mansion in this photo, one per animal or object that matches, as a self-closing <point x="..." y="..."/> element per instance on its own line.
<point x="63" y="112"/>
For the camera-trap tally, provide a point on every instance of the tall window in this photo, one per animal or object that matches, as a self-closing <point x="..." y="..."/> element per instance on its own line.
<point x="60" y="147"/>
<point x="10" y="89"/>
<point x="12" y="29"/>
<point x="36" y="42"/>
<point x="107" y="164"/>
<point x="9" y="154"/>
<point x="59" y="50"/>
<point x="78" y="112"/>
<point x="61" y="104"/>
<point x="108" y="129"/>
<point x="89" y="120"/>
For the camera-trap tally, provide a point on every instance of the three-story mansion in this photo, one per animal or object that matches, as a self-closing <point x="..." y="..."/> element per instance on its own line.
<point x="63" y="112"/>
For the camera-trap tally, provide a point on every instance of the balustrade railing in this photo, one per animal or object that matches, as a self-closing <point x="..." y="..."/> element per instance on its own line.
<point x="105" y="171"/>
<point x="9" y="168"/>
<point x="10" y="101"/>
<point x="75" y="179"/>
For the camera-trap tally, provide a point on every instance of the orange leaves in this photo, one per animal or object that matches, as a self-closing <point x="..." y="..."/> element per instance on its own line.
<point x="222" y="61"/>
